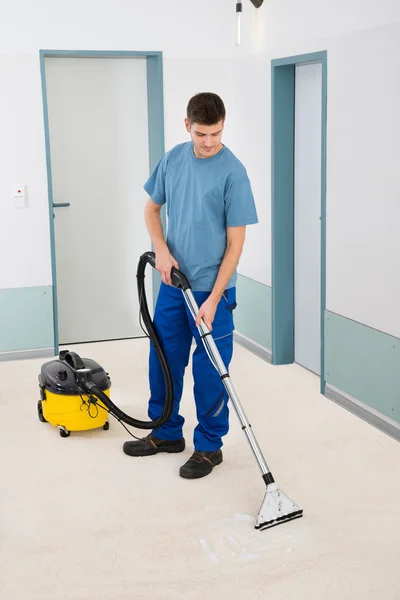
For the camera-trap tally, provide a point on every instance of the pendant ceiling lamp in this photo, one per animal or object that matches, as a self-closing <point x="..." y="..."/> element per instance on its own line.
<point x="257" y="4"/>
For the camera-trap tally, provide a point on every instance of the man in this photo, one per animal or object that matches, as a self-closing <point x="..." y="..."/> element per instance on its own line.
<point x="209" y="203"/>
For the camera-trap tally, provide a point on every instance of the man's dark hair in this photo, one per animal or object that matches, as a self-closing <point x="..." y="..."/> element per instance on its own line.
<point x="206" y="109"/>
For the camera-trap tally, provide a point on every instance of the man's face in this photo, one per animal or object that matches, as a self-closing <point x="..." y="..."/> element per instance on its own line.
<point x="206" y="138"/>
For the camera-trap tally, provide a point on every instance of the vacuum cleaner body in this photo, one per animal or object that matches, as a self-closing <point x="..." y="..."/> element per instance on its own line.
<point x="64" y="404"/>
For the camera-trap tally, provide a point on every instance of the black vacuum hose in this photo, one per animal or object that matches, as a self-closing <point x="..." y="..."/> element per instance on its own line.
<point x="179" y="280"/>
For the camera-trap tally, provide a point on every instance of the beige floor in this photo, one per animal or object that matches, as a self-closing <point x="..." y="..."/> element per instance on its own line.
<point x="80" y="520"/>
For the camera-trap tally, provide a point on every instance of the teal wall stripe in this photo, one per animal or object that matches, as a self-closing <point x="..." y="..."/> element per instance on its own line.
<point x="364" y="363"/>
<point x="253" y="313"/>
<point x="282" y="214"/>
<point x="360" y="361"/>
<point x="26" y="318"/>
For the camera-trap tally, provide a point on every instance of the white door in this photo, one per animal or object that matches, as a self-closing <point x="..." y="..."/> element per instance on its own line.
<point x="307" y="213"/>
<point x="98" y="124"/>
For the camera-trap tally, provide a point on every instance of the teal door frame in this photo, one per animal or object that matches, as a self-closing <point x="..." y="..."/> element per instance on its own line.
<point x="282" y="171"/>
<point x="155" y="104"/>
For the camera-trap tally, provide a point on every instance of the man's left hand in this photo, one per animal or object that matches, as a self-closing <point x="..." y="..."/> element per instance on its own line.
<point x="207" y="312"/>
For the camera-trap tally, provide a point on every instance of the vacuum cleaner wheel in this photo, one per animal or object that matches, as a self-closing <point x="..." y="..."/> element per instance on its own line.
<point x="40" y="412"/>
<point x="64" y="431"/>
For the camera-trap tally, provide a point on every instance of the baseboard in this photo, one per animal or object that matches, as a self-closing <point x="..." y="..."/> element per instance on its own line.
<point x="27" y="354"/>
<point x="365" y="412"/>
<point x="252" y="346"/>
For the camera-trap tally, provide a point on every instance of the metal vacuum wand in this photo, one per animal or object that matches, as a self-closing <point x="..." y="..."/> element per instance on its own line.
<point x="211" y="346"/>
<point x="276" y="507"/>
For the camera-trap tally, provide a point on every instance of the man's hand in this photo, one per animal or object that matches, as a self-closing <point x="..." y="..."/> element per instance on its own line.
<point x="164" y="263"/>
<point x="207" y="312"/>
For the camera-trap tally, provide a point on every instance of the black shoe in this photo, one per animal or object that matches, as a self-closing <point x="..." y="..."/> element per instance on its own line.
<point x="200" y="464"/>
<point x="152" y="445"/>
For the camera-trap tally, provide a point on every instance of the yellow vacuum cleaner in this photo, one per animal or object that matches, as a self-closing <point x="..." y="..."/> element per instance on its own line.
<point x="75" y="391"/>
<point x="63" y="403"/>
<point x="75" y="395"/>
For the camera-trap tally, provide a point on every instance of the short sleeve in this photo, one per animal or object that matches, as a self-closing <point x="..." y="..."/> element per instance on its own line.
<point x="240" y="207"/>
<point x="155" y="185"/>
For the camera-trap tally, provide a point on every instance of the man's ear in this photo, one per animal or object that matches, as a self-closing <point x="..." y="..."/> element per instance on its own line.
<point x="187" y="125"/>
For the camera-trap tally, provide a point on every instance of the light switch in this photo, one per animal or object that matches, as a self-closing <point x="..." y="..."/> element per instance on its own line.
<point x="19" y="196"/>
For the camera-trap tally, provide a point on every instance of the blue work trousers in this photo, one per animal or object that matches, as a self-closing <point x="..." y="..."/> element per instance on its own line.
<point x="175" y="328"/>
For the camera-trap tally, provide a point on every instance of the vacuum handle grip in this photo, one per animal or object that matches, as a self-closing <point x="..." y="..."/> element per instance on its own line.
<point x="72" y="359"/>
<point x="179" y="280"/>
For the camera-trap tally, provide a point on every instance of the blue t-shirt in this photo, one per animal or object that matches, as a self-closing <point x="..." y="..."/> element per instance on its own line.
<point x="204" y="196"/>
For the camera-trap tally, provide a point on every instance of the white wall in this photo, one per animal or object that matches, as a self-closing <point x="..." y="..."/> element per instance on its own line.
<point x="363" y="241"/>
<point x="363" y="178"/>
<point x="24" y="232"/>
<point x="252" y="144"/>
<point x="182" y="28"/>
<point x="197" y="57"/>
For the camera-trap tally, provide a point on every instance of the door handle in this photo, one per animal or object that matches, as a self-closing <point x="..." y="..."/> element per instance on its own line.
<point x="60" y="204"/>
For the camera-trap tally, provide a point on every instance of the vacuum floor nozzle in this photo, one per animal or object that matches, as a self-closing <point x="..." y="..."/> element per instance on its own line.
<point x="276" y="508"/>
